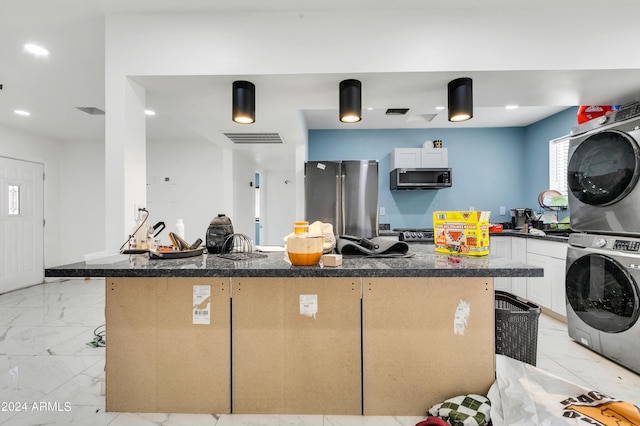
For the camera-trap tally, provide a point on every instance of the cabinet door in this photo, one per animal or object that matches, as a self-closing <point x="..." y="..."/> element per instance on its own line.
<point x="163" y="355"/>
<point x="558" y="295"/>
<point x="296" y="346"/>
<point x="539" y="289"/>
<point x="435" y="157"/>
<point x="405" y="158"/>
<point x="548" y="291"/>
<point x="519" y="253"/>
<point x="425" y="340"/>
<point x="501" y="247"/>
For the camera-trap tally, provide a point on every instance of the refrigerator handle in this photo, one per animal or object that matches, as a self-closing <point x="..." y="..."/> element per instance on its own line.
<point x="343" y="203"/>
<point x="338" y="216"/>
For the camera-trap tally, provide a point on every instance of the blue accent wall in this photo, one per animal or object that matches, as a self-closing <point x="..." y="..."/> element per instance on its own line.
<point x="491" y="167"/>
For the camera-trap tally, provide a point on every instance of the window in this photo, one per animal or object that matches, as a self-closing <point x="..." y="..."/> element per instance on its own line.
<point x="14" y="200"/>
<point x="558" y="164"/>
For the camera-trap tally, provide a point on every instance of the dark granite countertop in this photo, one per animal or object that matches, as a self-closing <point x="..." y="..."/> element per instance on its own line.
<point x="521" y="234"/>
<point x="425" y="262"/>
<point x="506" y="233"/>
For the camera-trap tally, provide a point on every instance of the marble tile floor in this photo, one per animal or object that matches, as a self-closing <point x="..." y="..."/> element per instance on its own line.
<point x="49" y="375"/>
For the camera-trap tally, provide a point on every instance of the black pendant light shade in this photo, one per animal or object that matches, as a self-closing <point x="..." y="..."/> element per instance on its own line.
<point x="244" y="102"/>
<point x="460" y="93"/>
<point x="350" y="101"/>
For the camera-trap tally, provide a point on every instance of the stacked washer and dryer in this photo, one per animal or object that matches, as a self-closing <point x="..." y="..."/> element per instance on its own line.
<point x="603" y="258"/>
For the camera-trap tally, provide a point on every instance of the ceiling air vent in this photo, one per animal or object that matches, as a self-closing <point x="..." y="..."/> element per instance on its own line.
<point x="396" y="111"/>
<point x="244" y="138"/>
<point x="91" y="110"/>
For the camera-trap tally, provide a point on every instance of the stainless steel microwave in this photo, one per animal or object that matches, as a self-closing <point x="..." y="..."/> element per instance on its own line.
<point x="420" y="178"/>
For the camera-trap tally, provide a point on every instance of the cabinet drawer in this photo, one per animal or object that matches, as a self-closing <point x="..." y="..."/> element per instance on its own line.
<point x="547" y="248"/>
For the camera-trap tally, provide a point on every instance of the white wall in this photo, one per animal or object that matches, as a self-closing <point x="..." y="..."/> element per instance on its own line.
<point x="82" y="201"/>
<point x="243" y="219"/>
<point x="278" y="197"/>
<point x="194" y="191"/>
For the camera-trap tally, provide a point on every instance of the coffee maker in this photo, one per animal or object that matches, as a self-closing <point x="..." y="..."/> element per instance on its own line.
<point x="520" y="216"/>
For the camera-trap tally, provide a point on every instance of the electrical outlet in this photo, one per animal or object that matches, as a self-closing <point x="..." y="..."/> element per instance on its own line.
<point x="472" y="209"/>
<point x="503" y="211"/>
<point x="382" y="211"/>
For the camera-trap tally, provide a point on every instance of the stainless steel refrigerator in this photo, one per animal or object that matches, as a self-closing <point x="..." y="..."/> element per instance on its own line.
<point x="345" y="194"/>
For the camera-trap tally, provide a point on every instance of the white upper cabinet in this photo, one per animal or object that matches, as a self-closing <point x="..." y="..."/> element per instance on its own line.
<point x="435" y="157"/>
<point x="406" y="158"/>
<point x="416" y="158"/>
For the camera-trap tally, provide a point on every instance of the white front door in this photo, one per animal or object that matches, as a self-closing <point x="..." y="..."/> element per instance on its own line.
<point x="21" y="224"/>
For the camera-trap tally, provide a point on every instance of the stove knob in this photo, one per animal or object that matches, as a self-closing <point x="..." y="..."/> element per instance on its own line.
<point x="600" y="242"/>
<point x="413" y="234"/>
<point x="603" y="119"/>
<point x="419" y="234"/>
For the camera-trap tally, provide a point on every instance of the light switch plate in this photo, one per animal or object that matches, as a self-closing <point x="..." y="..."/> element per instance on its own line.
<point x="382" y="211"/>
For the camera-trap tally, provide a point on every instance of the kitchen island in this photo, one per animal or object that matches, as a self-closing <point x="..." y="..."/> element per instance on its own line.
<point x="375" y="336"/>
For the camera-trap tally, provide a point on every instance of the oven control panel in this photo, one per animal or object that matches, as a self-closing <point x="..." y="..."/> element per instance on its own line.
<point x="416" y="236"/>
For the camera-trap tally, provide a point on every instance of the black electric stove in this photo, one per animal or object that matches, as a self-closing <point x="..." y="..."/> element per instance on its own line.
<point x="413" y="235"/>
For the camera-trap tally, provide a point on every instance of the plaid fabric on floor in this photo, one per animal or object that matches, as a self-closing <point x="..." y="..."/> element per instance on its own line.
<point x="465" y="410"/>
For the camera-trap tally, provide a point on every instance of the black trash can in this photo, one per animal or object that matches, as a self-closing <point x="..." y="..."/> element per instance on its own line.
<point x="516" y="327"/>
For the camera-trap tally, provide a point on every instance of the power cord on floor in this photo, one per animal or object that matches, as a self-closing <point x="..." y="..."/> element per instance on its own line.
<point x="100" y="340"/>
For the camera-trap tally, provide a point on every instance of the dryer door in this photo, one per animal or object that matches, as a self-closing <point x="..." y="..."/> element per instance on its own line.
<point x="603" y="169"/>
<point x="602" y="293"/>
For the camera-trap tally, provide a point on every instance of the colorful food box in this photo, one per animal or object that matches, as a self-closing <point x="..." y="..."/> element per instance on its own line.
<point x="465" y="233"/>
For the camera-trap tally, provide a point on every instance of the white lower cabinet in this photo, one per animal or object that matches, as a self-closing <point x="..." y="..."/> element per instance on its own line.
<point x="501" y="246"/>
<point x="548" y="291"/>
<point x="557" y="272"/>
<point x="539" y="288"/>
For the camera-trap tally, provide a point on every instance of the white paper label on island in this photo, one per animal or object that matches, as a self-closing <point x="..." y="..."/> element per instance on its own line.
<point x="321" y="166"/>
<point x="202" y="304"/>
<point x="461" y="318"/>
<point x="309" y="305"/>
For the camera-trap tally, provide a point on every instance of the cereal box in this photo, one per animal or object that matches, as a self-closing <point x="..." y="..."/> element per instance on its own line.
<point x="462" y="232"/>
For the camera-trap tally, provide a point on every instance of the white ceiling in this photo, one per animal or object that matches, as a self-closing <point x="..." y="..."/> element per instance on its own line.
<point x="73" y="76"/>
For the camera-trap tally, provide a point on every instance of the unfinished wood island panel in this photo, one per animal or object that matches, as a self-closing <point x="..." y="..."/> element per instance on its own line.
<point x="425" y="340"/>
<point x="161" y="356"/>
<point x="296" y="346"/>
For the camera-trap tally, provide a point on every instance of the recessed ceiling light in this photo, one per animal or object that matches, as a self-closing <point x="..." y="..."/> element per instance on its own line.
<point x="511" y="107"/>
<point x="36" y="50"/>
<point x="149" y="112"/>
<point x="440" y="107"/>
<point x="370" y="109"/>
<point x="22" y="112"/>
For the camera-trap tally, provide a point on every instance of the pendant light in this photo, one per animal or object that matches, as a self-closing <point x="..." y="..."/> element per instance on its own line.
<point x="244" y="102"/>
<point x="350" y="101"/>
<point x="460" y="93"/>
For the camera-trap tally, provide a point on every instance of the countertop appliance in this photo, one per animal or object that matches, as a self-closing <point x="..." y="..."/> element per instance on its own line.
<point x="432" y="178"/>
<point x="520" y="216"/>
<point x="413" y="235"/>
<point x="603" y="297"/>
<point x="603" y="172"/>
<point x="343" y="193"/>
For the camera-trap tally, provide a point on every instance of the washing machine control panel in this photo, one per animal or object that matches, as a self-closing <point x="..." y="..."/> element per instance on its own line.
<point x="628" y="112"/>
<point x="625" y="245"/>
